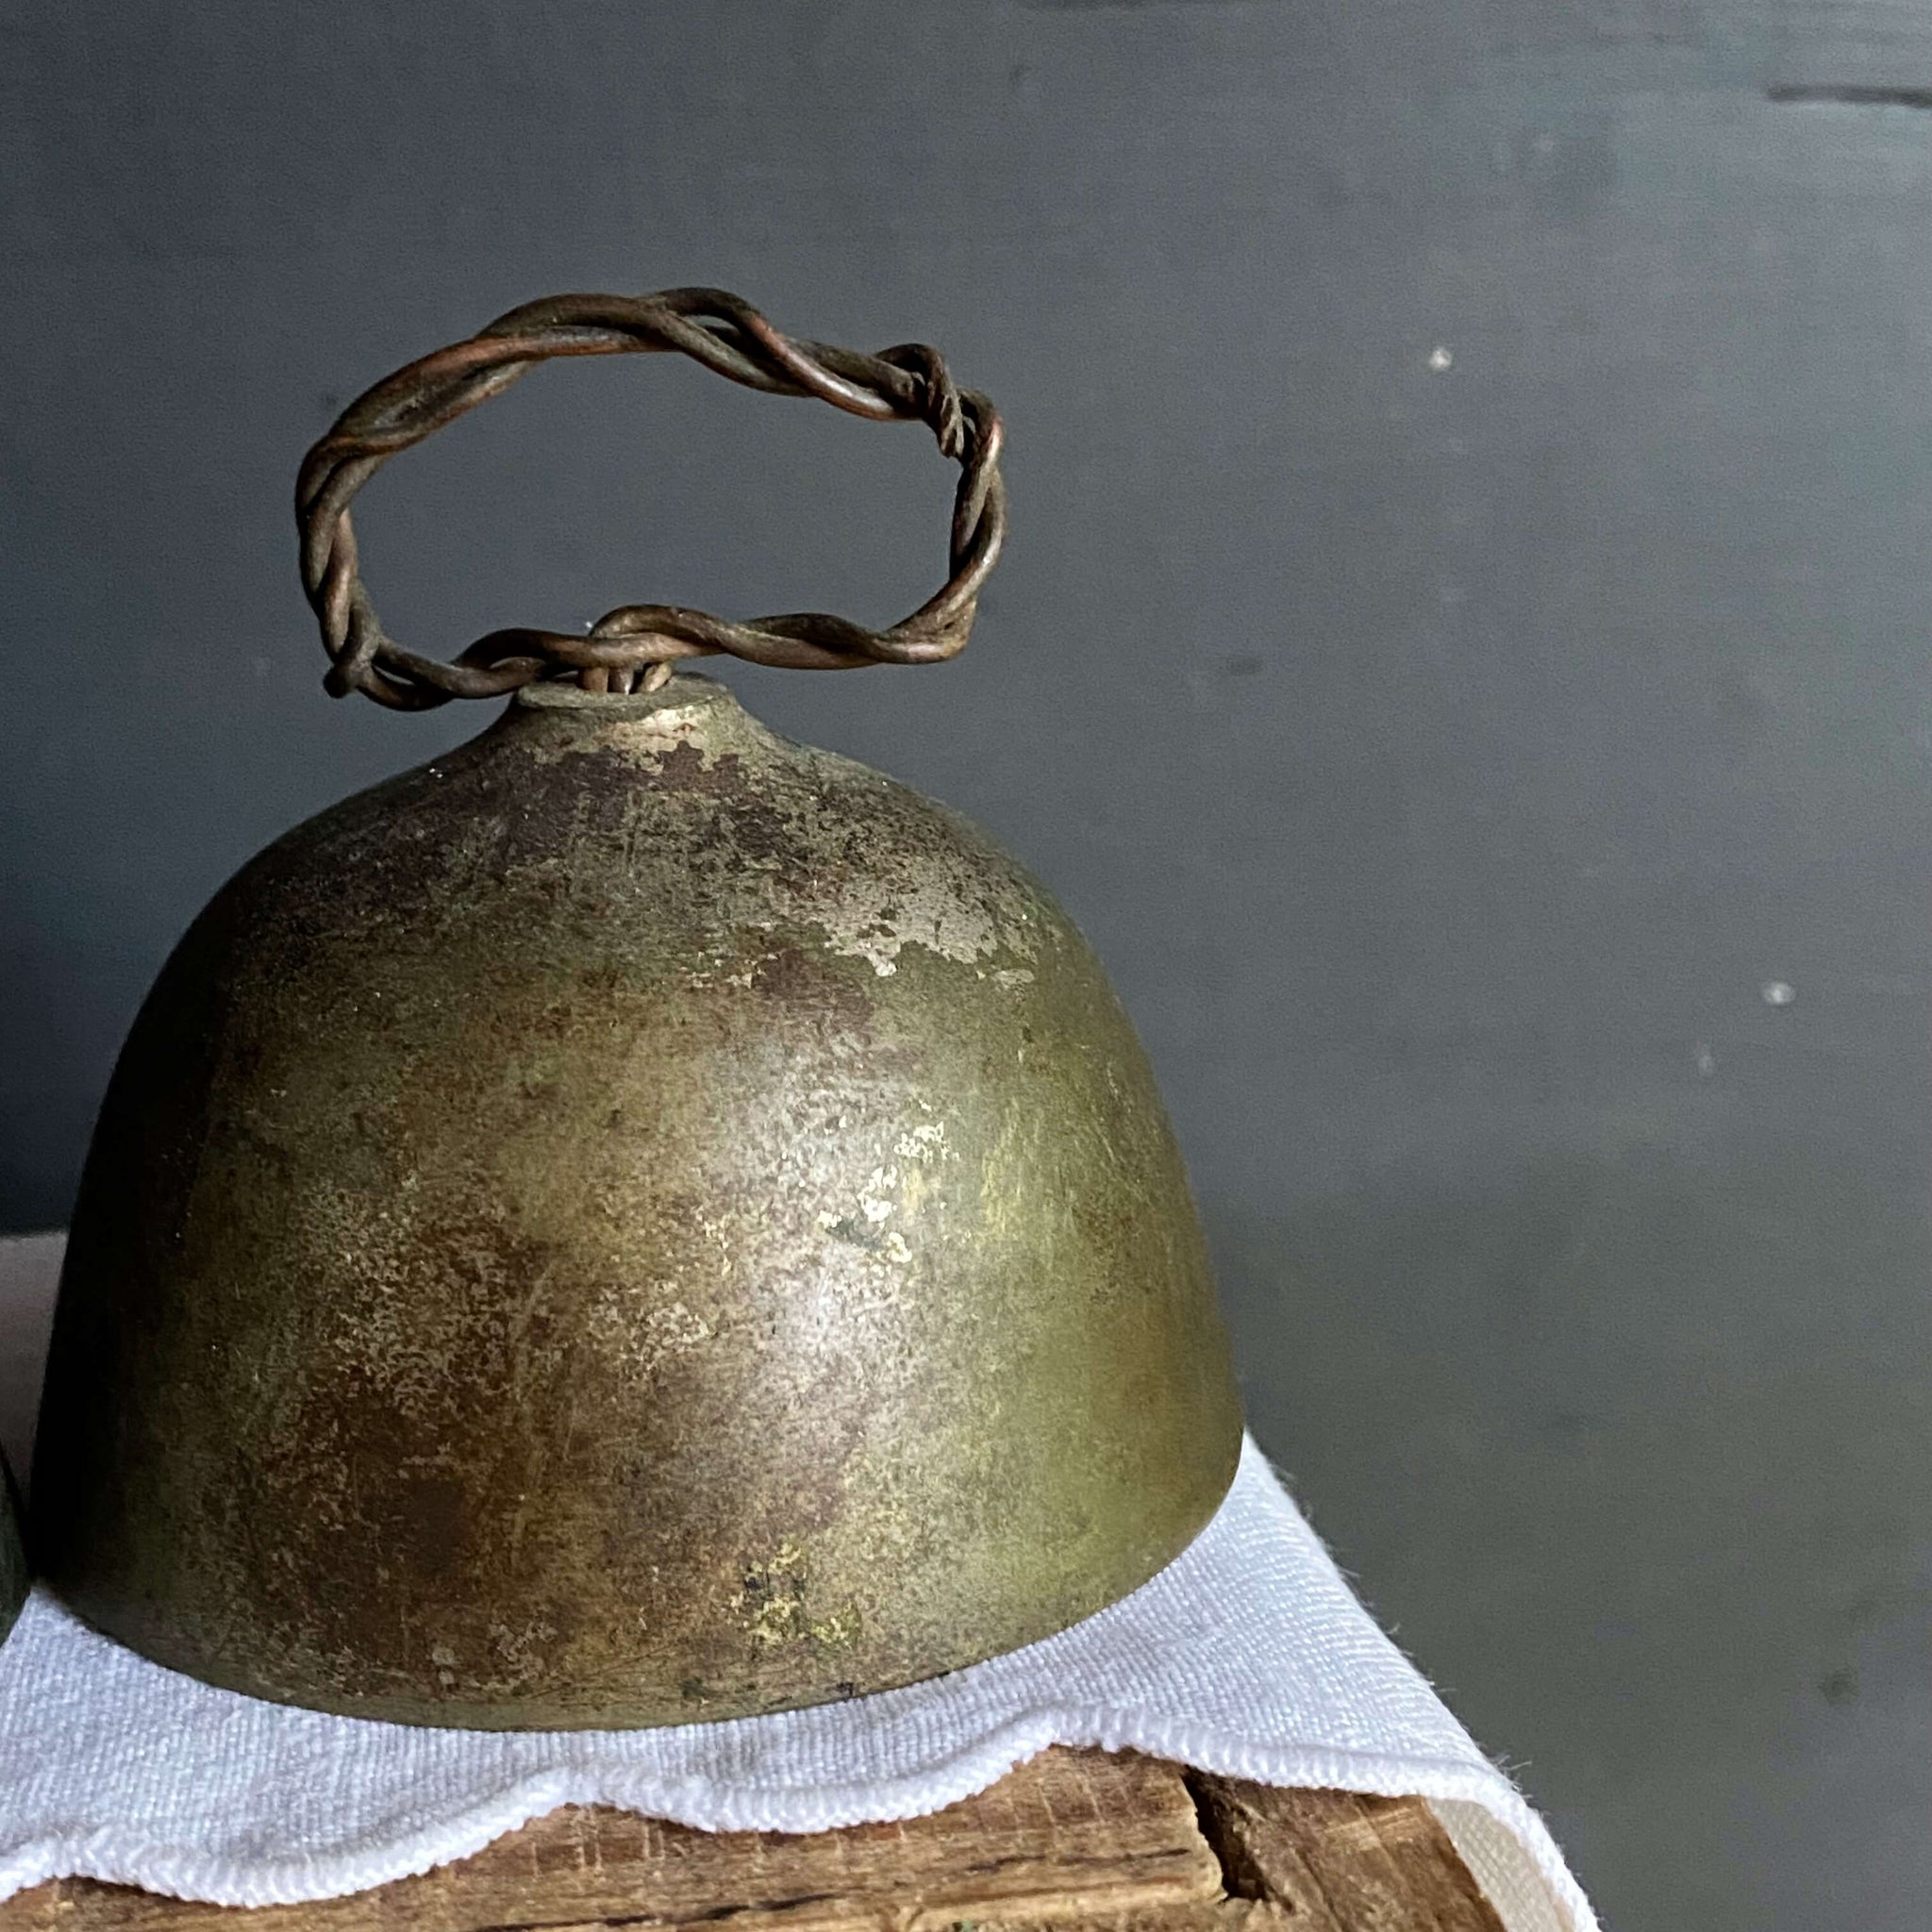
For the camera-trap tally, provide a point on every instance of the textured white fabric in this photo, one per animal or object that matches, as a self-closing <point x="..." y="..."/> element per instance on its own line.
<point x="1248" y="1655"/>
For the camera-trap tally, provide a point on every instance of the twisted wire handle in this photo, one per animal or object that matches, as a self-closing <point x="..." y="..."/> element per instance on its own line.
<point x="636" y="643"/>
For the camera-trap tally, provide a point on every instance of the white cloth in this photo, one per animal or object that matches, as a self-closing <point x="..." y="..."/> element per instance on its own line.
<point x="1248" y="1656"/>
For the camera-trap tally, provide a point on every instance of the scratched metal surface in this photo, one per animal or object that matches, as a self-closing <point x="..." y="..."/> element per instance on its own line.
<point x="633" y="1222"/>
<point x="1468" y="582"/>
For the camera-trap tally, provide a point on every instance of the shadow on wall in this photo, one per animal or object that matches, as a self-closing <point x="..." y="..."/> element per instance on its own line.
<point x="1604" y="1425"/>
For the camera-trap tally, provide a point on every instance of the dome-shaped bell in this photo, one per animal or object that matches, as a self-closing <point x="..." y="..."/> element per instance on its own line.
<point x="634" y="1221"/>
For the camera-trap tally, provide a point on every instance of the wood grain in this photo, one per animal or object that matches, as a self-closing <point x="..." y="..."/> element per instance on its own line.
<point x="1110" y="1842"/>
<point x="1341" y="1861"/>
<point x="1070" y="1835"/>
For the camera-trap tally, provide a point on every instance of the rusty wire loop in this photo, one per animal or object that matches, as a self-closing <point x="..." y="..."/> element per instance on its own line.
<point x="639" y="642"/>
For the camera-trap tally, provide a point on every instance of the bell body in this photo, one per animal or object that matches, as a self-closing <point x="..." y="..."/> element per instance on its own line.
<point x="634" y="1221"/>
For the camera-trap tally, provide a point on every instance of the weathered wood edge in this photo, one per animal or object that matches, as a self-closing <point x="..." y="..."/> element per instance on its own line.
<point x="1115" y="1842"/>
<point x="1339" y="1861"/>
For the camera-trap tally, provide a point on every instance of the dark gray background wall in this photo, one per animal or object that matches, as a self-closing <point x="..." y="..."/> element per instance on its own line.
<point x="1464" y="640"/>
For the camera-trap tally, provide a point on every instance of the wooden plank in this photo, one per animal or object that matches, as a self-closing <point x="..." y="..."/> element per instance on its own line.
<point x="1109" y="1842"/>
<point x="1081" y="1835"/>
<point x="1339" y="1861"/>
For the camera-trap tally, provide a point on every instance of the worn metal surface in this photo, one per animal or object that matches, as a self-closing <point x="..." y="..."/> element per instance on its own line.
<point x="635" y="1221"/>
<point x="725" y="334"/>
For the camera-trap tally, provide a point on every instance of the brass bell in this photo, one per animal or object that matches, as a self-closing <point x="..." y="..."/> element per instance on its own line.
<point x="637" y="1220"/>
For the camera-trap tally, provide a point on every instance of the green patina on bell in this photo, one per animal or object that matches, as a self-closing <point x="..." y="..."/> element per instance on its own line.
<point x="635" y="1221"/>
